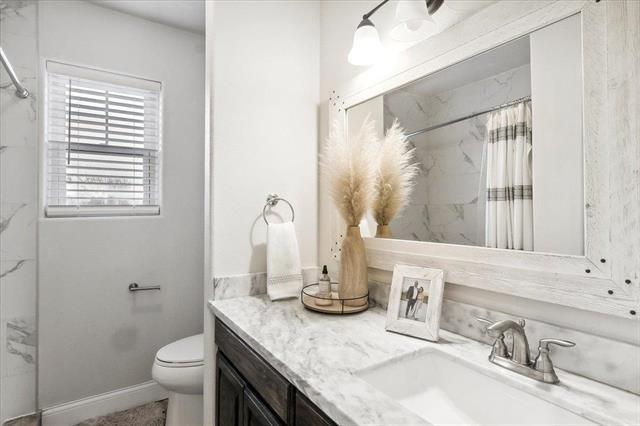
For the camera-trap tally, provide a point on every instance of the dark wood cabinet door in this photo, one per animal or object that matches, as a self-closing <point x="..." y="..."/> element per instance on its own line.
<point x="307" y="414"/>
<point x="256" y="413"/>
<point x="272" y="388"/>
<point x="229" y="394"/>
<point x="250" y="392"/>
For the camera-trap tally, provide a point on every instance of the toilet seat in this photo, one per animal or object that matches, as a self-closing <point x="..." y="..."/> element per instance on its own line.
<point x="179" y="364"/>
<point x="187" y="352"/>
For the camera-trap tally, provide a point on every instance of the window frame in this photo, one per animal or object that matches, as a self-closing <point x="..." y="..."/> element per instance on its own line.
<point x="106" y="77"/>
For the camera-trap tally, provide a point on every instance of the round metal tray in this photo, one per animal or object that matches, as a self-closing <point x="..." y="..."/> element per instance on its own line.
<point x="310" y="299"/>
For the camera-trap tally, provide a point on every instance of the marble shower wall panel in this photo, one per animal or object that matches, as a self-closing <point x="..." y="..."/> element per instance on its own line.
<point x="18" y="210"/>
<point x="448" y="203"/>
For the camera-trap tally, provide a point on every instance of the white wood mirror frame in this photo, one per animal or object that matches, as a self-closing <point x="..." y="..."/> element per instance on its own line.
<point x="607" y="277"/>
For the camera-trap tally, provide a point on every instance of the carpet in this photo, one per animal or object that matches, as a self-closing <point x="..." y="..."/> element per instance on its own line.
<point x="151" y="414"/>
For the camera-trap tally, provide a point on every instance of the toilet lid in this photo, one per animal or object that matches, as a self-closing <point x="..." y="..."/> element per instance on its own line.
<point x="187" y="350"/>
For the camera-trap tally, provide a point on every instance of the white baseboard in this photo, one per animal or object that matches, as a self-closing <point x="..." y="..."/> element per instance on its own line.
<point x="99" y="405"/>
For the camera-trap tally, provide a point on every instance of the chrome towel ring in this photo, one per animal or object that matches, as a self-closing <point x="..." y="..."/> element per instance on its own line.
<point x="272" y="201"/>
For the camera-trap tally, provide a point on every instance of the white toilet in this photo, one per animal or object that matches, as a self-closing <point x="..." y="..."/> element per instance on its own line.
<point x="179" y="368"/>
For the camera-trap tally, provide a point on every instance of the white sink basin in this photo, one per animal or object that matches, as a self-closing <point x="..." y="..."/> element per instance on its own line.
<point x="445" y="392"/>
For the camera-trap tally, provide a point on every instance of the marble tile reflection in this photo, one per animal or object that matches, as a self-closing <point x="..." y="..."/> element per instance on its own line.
<point x="447" y="204"/>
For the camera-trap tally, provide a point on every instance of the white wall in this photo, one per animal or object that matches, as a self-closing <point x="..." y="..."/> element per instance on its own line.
<point x="558" y="186"/>
<point x="95" y="336"/>
<point x="339" y="20"/>
<point x="263" y="123"/>
<point x="265" y="120"/>
<point x="207" y="283"/>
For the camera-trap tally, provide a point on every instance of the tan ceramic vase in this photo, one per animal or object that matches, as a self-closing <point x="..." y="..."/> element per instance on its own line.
<point x="383" y="231"/>
<point x="353" y="268"/>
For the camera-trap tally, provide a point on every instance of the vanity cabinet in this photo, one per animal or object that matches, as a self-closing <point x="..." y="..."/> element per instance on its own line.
<point x="249" y="391"/>
<point x="236" y="403"/>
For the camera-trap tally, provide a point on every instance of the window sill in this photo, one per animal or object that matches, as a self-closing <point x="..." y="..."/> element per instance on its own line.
<point x="103" y="211"/>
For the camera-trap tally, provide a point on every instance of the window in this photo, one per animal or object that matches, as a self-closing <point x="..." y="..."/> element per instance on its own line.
<point x="103" y="140"/>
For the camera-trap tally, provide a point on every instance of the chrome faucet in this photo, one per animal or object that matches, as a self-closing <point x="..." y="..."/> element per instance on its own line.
<point x="520" y="350"/>
<point x="518" y="359"/>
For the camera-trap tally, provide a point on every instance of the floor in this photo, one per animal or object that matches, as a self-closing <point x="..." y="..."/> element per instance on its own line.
<point x="151" y="414"/>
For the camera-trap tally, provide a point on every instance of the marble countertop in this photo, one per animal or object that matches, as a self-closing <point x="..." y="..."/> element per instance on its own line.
<point x="319" y="354"/>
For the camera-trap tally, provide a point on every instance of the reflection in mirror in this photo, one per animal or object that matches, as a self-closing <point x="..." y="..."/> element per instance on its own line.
<point x="498" y="139"/>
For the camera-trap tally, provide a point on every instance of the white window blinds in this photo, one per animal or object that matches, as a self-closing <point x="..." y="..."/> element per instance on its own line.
<point x="103" y="145"/>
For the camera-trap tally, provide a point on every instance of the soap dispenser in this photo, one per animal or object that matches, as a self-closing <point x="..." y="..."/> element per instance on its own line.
<point x="324" y="289"/>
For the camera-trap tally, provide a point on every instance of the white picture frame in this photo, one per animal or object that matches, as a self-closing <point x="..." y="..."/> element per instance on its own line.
<point x="415" y="301"/>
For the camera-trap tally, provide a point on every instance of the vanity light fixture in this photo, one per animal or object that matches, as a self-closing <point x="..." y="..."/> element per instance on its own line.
<point x="415" y="22"/>
<point x="366" y="49"/>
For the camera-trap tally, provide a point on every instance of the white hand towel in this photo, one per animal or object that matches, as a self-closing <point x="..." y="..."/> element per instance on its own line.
<point x="284" y="272"/>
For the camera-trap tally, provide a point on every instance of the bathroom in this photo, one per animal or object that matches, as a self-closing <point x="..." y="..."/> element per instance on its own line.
<point x="173" y="178"/>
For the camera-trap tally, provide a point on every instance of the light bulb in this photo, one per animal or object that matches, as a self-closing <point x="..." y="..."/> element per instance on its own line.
<point x="413" y="21"/>
<point x="367" y="48"/>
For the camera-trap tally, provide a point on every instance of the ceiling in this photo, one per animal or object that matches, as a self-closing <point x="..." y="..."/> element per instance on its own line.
<point x="184" y="14"/>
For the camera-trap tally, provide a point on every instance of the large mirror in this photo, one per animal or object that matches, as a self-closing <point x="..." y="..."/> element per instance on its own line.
<point x="498" y="140"/>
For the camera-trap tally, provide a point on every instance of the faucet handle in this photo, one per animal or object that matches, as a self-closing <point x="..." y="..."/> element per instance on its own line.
<point x="543" y="362"/>
<point x="544" y="343"/>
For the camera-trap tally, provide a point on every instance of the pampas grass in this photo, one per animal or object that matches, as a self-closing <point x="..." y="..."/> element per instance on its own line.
<point x="395" y="175"/>
<point x="349" y="165"/>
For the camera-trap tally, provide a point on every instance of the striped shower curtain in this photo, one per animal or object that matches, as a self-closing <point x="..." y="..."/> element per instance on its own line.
<point x="509" y="208"/>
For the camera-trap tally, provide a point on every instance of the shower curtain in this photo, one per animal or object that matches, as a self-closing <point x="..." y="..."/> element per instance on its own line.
<point x="509" y="208"/>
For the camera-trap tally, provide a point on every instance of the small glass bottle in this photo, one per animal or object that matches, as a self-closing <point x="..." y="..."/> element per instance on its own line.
<point x="324" y="289"/>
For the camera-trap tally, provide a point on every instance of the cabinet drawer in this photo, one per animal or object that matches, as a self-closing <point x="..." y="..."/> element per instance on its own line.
<point x="265" y="380"/>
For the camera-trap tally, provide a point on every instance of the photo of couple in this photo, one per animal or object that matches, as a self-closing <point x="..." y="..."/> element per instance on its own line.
<point x="413" y="299"/>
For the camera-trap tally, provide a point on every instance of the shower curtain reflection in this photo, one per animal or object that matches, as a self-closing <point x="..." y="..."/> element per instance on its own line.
<point x="509" y="216"/>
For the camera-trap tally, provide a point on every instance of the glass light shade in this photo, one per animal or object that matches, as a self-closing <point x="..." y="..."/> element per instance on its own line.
<point x="367" y="48"/>
<point x="413" y="21"/>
